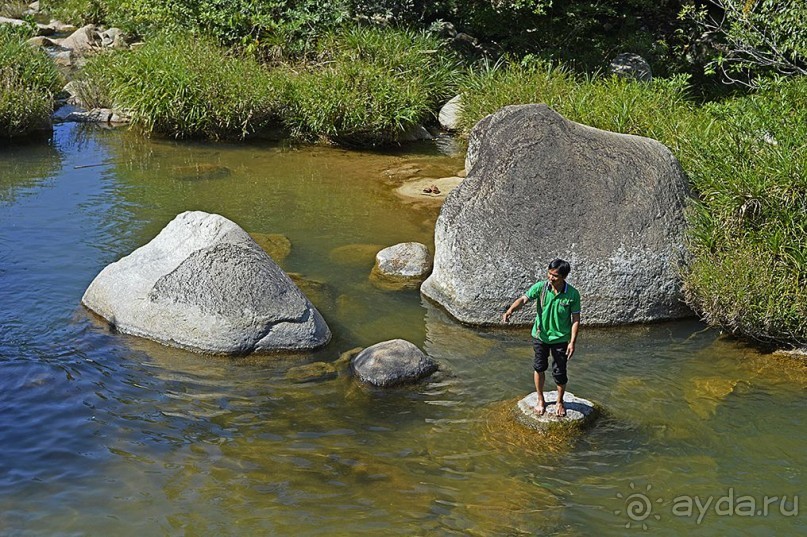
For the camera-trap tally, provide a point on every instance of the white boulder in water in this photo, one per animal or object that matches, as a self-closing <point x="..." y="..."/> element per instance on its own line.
<point x="203" y="284"/>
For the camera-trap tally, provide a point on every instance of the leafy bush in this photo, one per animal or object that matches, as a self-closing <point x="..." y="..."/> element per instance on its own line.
<point x="28" y="80"/>
<point x="752" y="38"/>
<point x="182" y="86"/>
<point x="290" y="24"/>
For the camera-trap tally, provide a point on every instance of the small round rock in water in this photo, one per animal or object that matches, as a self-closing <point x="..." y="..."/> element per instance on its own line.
<point x="579" y="412"/>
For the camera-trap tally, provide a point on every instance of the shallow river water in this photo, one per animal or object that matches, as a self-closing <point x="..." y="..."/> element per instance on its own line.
<point x="107" y="434"/>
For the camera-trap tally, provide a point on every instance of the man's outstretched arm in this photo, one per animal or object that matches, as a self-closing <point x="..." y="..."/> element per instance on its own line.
<point x="520" y="301"/>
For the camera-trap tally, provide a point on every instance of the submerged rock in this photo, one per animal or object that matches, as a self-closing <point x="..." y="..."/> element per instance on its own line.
<point x="277" y="245"/>
<point x="203" y="284"/>
<point x="319" y="292"/>
<point x="355" y="254"/>
<point x="705" y="394"/>
<point x="313" y="372"/>
<point x="391" y="363"/>
<point x="200" y="172"/>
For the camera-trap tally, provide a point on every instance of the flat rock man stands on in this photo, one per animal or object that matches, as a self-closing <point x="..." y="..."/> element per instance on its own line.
<point x="556" y="324"/>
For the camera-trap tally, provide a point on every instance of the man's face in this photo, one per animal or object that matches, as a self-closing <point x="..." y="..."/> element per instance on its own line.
<point x="554" y="277"/>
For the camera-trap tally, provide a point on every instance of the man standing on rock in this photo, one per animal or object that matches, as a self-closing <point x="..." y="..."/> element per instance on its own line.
<point x="555" y="329"/>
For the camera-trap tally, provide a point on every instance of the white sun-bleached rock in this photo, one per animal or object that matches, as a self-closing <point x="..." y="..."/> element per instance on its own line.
<point x="203" y="284"/>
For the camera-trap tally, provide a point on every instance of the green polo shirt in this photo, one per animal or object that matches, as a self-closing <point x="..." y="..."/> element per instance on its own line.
<point x="554" y="323"/>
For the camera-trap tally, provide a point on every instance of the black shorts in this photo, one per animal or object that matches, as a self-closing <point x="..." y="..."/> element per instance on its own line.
<point x="559" y="359"/>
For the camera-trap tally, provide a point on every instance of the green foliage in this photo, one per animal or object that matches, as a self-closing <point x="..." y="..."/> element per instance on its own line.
<point x="78" y="12"/>
<point x="585" y="35"/>
<point x="183" y="86"/>
<point x="16" y="9"/>
<point x="364" y="87"/>
<point x="254" y="25"/>
<point x="749" y="226"/>
<point x="28" y="80"/>
<point x="652" y="109"/>
<point x="370" y="85"/>
<point x="753" y="37"/>
<point x="355" y="104"/>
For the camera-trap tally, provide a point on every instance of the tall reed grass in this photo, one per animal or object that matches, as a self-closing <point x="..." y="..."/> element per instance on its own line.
<point x="749" y="224"/>
<point x="184" y="86"/>
<point x="28" y="81"/>
<point x="368" y="86"/>
<point x="362" y="87"/>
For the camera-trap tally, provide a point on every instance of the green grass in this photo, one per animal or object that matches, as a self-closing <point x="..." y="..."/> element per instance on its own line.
<point x="355" y="104"/>
<point x="28" y="80"/>
<point x="749" y="225"/>
<point x="368" y="86"/>
<point x="15" y="9"/>
<point x="363" y="87"/>
<point x="746" y="158"/>
<point x="181" y="86"/>
<point x="649" y="109"/>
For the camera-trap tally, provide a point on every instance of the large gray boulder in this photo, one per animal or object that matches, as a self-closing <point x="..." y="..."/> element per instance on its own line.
<point x="203" y="284"/>
<point x="391" y="363"/>
<point x="539" y="187"/>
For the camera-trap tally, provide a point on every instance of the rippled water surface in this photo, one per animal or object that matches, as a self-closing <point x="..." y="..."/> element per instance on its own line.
<point x="107" y="434"/>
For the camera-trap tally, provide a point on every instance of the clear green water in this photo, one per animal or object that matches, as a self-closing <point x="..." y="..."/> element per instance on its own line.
<point x="105" y="434"/>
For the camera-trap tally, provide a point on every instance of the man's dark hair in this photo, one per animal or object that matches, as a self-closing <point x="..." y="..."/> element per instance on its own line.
<point x="563" y="267"/>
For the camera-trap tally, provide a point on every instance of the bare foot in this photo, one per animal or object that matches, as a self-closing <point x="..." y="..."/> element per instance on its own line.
<point x="559" y="410"/>
<point x="540" y="408"/>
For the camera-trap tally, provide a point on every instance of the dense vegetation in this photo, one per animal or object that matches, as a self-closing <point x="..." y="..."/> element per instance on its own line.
<point x="363" y="72"/>
<point x="184" y="86"/>
<point x="361" y="86"/>
<point x="28" y="80"/>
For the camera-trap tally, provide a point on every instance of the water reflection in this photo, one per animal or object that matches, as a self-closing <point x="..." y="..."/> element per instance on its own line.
<point x="23" y="166"/>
